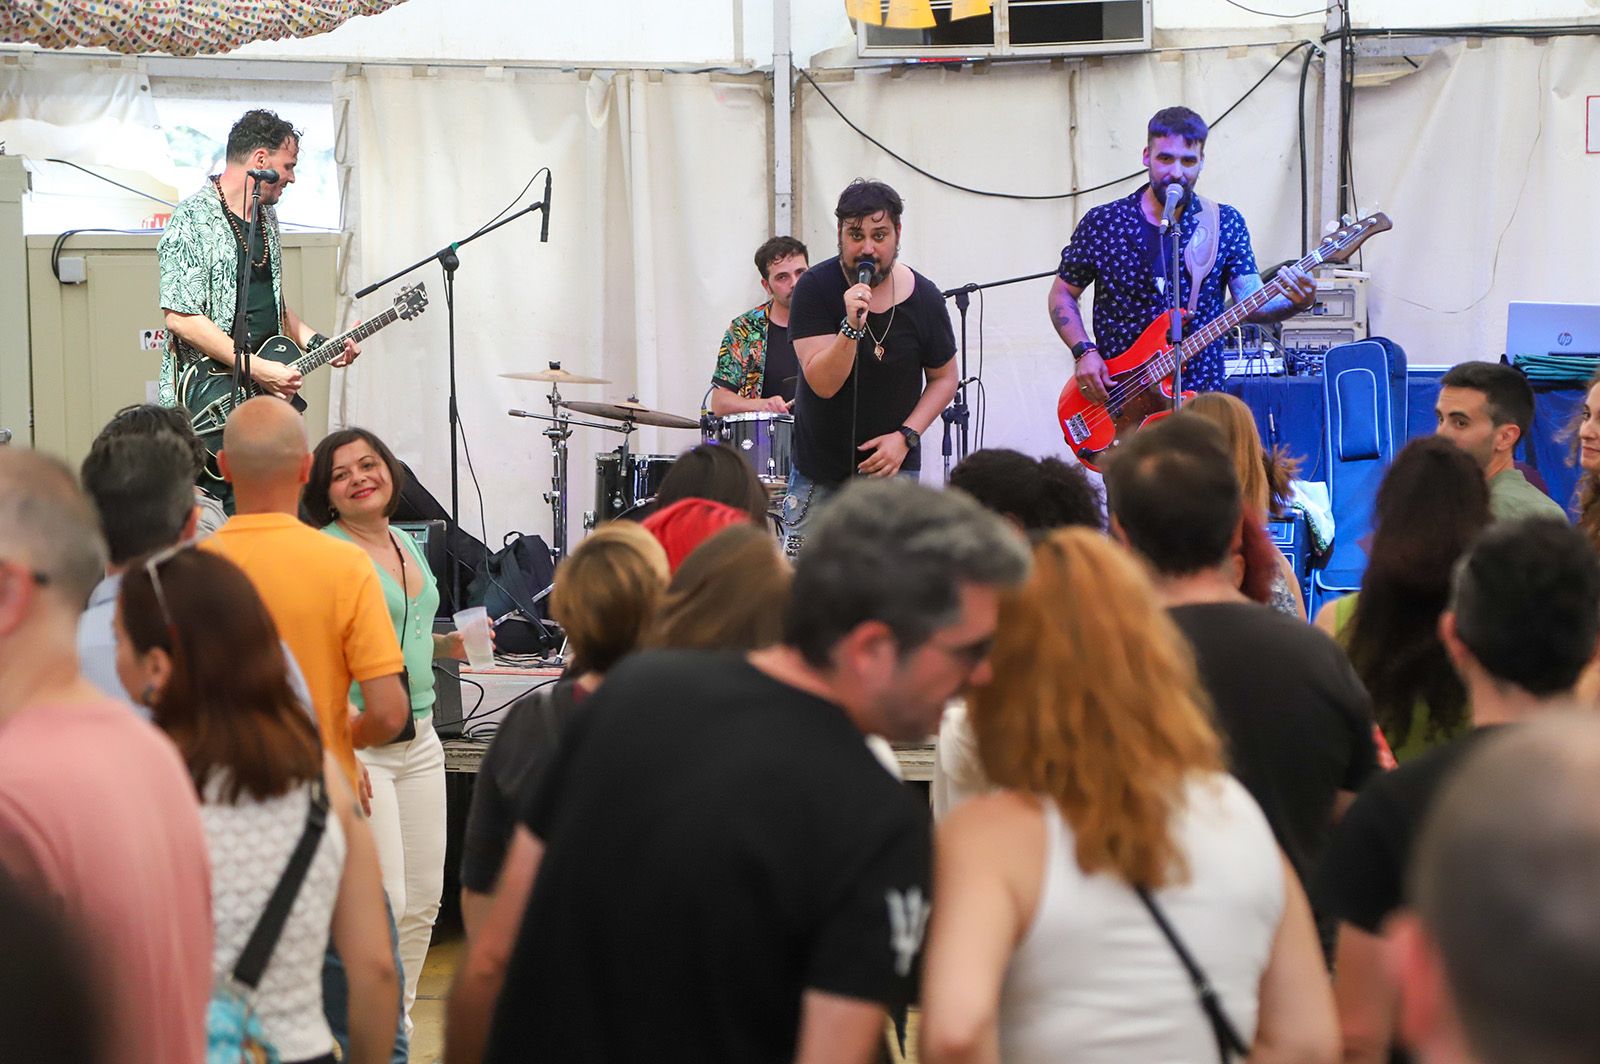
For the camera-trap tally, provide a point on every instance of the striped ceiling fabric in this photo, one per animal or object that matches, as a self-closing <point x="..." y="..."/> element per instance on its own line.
<point x="911" y="14"/>
<point x="177" y="27"/>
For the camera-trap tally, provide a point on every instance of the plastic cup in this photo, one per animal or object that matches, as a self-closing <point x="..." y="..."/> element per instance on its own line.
<point x="473" y="624"/>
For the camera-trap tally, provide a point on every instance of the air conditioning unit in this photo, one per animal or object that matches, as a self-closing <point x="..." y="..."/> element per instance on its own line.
<point x="1018" y="27"/>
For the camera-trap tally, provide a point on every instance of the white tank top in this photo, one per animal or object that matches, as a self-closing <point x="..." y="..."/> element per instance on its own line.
<point x="1094" y="981"/>
<point x="250" y="844"/>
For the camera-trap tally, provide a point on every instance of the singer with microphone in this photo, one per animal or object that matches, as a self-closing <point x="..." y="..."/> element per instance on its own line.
<point x="1121" y="248"/>
<point x="203" y="249"/>
<point x="876" y="354"/>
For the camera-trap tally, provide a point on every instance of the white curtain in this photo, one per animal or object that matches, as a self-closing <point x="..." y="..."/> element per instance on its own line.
<point x="659" y="199"/>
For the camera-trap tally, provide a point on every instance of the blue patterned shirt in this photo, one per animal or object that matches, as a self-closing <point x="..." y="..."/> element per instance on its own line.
<point x="1114" y="248"/>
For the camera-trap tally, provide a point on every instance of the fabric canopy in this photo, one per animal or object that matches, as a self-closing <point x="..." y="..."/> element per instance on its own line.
<point x="178" y="27"/>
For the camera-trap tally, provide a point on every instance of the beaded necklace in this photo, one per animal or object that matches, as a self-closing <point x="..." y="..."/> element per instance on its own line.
<point x="233" y="223"/>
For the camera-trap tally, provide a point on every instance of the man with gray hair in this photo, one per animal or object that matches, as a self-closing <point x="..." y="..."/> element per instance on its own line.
<point x="1500" y="961"/>
<point x="97" y="813"/>
<point x="725" y="872"/>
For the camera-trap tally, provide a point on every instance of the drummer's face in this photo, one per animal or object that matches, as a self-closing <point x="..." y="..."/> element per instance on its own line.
<point x="781" y="277"/>
<point x="874" y="236"/>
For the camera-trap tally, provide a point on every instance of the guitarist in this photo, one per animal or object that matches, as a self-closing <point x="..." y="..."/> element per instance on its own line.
<point x="203" y="249"/>
<point x="1117" y="247"/>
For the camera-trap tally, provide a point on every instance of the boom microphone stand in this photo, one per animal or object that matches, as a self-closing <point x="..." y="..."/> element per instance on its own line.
<point x="241" y="310"/>
<point x="446" y="257"/>
<point x="957" y="413"/>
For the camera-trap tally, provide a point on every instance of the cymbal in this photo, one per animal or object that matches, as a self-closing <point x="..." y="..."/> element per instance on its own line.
<point x="555" y="375"/>
<point x="634" y="411"/>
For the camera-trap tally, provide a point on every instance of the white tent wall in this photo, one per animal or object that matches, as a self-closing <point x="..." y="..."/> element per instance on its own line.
<point x="1479" y="159"/>
<point x="660" y="186"/>
<point x="1033" y="129"/>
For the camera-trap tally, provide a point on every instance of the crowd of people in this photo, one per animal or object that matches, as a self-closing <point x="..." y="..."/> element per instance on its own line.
<point x="1169" y="825"/>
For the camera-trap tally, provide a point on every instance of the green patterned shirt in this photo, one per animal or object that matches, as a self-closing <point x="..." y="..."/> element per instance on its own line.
<point x="742" y="358"/>
<point x="199" y="258"/>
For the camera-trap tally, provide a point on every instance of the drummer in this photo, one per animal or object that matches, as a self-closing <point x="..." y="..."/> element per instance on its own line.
<point x="756" y="367"/>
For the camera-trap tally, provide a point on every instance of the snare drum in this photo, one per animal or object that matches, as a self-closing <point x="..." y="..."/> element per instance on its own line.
<point x="763" y="438"/>
<point x="617" y="489"/>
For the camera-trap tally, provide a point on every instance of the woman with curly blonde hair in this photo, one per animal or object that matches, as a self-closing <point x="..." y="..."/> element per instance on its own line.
<point x="1115" y="806"/>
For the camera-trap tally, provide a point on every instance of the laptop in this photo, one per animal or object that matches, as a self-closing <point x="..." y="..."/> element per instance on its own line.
<point x="1568" y="329"/>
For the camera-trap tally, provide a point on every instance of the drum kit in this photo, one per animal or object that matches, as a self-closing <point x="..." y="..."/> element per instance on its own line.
<point x="626" y="483"/>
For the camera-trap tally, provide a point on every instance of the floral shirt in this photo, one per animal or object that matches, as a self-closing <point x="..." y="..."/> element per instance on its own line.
<point x="742" y="359"/>
<point x="199" y="258"/>
<point x="1114" y="248"/>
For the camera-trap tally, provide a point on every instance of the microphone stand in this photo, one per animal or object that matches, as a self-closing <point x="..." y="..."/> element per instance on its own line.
<point x="957" y="413"/>
<point x="1175" y="310"/>
<point x="447" y="259"/>
<point x="241" y="332"/>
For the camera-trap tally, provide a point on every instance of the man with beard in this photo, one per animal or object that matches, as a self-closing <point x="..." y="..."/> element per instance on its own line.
<point x="1119" y="248"/>
<point x="876" y="353"/>
<point x="756" y="369"/>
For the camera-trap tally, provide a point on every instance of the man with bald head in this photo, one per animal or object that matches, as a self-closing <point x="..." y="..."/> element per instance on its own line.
<point x="1498" y="964"/>
<point x="98" y="816"/>
<point x="323" y="593"/>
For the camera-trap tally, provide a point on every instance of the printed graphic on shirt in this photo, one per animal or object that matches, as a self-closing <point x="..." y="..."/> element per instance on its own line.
<point x="908" y="919"/>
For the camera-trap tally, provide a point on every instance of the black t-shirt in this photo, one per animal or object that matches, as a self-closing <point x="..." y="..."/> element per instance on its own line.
<point x="261" y="309"/>
<point x="1361" y="878"/>
<point x="781" y="370"/>
<point x="717" y="843"/>
<point x="918" y="337"/>
<point x="521" y="752"/>
<point x="1295" y="719"/>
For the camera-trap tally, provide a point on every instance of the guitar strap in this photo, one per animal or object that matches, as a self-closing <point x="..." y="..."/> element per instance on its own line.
<point x="1201" y="253"/>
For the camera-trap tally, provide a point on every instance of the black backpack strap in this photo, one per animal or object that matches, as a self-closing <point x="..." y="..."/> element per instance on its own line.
<point x="258" y="951"/>
<point x="1229" y="1044"/>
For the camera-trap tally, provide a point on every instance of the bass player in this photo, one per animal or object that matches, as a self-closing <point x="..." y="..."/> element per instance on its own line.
<point x="203" y="249"/>
<point x="1117" y="247"/>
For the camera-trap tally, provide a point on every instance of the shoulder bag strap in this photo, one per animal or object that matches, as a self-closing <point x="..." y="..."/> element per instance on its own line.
<point x="258" y="951"/>
<point x="1229" y="1044"/>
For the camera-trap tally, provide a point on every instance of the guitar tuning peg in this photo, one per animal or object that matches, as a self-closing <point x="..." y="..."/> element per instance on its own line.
<point x="1330" y="228"/>
<point x="1347" y="219"/>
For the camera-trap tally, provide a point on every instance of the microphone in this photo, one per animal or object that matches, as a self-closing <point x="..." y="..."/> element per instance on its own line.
<point x="866" y="269"/>
<point x="544" y="214"/>
<point x="269" y="176"/>
<point x="1175" y="193"/>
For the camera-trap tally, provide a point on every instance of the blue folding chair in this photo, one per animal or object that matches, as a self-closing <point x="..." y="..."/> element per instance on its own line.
<point x="1364" y="388"/>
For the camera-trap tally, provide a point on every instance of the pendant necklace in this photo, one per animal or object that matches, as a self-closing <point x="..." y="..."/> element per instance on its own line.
<point x="877" y="341"/>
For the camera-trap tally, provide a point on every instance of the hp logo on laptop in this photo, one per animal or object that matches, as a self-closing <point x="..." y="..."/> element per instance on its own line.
<point x="1564" y="339"/>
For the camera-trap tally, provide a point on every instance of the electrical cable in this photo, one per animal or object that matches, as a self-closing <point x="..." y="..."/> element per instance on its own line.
<point x="513" y="203"/>
<point x="166" y="203"/>
<point x="1305" y="193"/>
<point x="61" y="240"/>
<point x="869" y="138"/>
<point x="1275" y="14"/>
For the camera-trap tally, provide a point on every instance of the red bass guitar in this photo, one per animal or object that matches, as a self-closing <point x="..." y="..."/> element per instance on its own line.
<point x="1141" y="377"/>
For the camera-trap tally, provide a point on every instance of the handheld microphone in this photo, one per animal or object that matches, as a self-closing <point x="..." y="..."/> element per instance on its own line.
<point x="1175" y="193"/>
<point x="268" y="176"/>
<point x="544" y="213"/>
<point x="866" y="270"/>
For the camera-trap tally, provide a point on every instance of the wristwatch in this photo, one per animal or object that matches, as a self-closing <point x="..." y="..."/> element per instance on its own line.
<point x="1083" y="345"/>
<point x="913" y="437"/>
<point x="850" y="331"/>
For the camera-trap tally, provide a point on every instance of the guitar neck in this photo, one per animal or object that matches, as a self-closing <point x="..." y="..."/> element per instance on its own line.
<point x="1241" y="311"/>
<point x="327" y="352"/>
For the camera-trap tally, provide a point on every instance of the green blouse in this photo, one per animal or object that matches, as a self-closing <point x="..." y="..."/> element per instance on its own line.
<point x="1417" y="740"/>
<point x="413" y="622"/>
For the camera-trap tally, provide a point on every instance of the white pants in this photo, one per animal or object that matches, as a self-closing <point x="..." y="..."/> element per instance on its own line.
<point x="408" y="822"/>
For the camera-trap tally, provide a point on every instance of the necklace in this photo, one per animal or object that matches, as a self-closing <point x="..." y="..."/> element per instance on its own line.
<point x="233" y="223"/>
<point x="877" y="341"/>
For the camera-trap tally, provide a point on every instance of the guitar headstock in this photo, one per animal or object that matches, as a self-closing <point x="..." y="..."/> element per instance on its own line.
<point x="412" y="300"/>
<point x="1340" y="244"/>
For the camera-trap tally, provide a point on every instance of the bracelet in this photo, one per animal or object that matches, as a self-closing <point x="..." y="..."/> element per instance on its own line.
<point x="317" y="340"/>
<point x="850" y="331"/>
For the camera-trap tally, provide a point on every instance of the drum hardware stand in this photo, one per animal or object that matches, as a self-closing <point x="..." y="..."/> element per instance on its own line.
<point x="558" y="433"/>
<point x="448" y="260"/>
<point x="958" y="413"/>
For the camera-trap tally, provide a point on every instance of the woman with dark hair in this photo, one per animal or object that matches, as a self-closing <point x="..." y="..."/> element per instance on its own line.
<point x="1586" y="450"/>
<point x="353" y="490"/>
<point x="1433" y="502"/>
<point x="715" y="471"/>
<point x="1037" y="494"/>
<point x="1118" y="834"/>
<point x="605" y="596"/>
<point x="196" y="643"/>
<point x="728" y="594"/>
